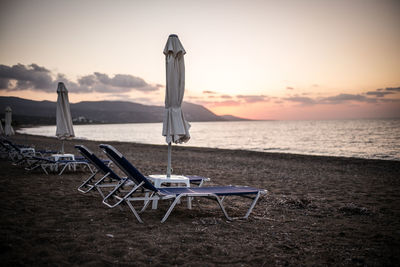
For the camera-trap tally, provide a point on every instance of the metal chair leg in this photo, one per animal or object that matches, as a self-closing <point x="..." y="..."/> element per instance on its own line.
<point x="171" y="208"/>
<point x="134" y="211"/>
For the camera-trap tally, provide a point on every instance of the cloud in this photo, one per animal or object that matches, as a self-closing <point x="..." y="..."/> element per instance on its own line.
<point x="35" y="77"/>
<point x="379" y="93"/>
<point x="391" y="89"/>
<point x="209" y="92"/>
<point x="226" y="96"/>
<point x="26" y="77"/>
<point x="253" y="98"/>
<point x="341" y="98"/>
<point x="120" y="83"/>
<point x="240" y="99"/>
<point x="390" y="100"/>
<point x="306" y="101"/>
<point x="220" y="103"/>
<point x="378" y="96"/>
<point x="289" y="88"/>
<point x="192" y="97"/>
<point x="4" y="83"/>
<point x="121" y="80"/>
<point x="383" y="92"/>
<point x="88" y="80"/>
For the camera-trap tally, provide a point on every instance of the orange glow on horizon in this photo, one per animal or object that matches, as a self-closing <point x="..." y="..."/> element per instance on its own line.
<point x="269" y="111"/>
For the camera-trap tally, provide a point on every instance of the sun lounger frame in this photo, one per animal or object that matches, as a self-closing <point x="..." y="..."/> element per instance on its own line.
<point x="101" y="168"/>
<point x="152" y="193"/>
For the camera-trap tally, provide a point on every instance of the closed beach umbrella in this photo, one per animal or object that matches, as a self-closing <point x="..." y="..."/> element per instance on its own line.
<point x="65" y="129"/>
<point x="175" y="127"/>
<point x="8" y="129"/>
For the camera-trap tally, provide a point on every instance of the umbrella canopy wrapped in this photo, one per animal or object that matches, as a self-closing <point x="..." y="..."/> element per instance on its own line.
<point x="65" y="127"/>
<point x="8" y="129"/>
<point x="175" y="127"/>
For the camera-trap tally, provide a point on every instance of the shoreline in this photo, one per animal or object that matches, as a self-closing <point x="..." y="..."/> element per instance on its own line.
<point x="82" y="139"/>
<point x="318" y="211"/>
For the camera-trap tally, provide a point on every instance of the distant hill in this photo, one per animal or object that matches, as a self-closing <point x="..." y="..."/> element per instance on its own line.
<point x="27" y="111"/>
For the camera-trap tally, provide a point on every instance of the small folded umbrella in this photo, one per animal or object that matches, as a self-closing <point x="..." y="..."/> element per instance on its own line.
<point x="8" y="129"/>
<point x="65" y="129"/>
<point x="175" y="127"/>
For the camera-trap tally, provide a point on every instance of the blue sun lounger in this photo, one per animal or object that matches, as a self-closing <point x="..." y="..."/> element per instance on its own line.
<point x="35" y="162"/>
<point x="102" y="167"/>
<point x="17" y="153"/>
<point x="31" y="159"/>
<point x="217" y="193"/>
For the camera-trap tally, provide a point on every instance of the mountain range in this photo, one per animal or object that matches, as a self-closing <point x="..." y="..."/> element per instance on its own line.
<point x="27" y="111"/>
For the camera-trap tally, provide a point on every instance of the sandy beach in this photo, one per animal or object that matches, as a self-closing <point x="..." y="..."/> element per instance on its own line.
<point x="319" y="211"/>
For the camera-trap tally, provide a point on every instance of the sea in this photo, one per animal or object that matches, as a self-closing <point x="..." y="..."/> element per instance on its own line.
<point x="370" y="139"/>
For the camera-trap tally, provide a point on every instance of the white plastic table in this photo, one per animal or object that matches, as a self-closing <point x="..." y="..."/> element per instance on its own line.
<point x="159" y="179"/>
<point x="57" y="157"/>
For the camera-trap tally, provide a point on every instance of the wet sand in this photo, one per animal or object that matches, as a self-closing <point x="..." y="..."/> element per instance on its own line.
<point x="319" y="211"/>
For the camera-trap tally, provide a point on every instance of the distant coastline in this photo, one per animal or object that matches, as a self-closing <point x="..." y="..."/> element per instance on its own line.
<point x="29" y="112"/>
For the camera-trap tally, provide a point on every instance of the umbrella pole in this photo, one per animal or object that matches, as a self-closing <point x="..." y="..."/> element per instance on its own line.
<point x="62" y="147"/>
<point x="169" y="160"/>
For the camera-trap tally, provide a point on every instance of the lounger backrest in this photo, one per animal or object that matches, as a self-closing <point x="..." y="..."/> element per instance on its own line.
<point x="4" y="145"/>
<point x="127" y="167"/>
<point x="12" y="145"/>
<point x="98" y="163"/>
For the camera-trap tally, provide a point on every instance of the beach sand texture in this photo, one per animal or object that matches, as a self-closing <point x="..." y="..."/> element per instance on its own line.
<point x="319" y="211"/>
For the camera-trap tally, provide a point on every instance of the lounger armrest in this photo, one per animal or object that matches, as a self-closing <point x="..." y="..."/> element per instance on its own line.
<point x="102" y="179"/>
<point x="116" y="189"/>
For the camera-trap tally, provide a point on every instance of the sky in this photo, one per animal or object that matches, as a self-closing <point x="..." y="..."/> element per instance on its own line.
<point x="281" y="60"/>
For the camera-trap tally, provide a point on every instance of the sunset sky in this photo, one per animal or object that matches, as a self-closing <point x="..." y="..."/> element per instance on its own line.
<point x="299" y="59"/>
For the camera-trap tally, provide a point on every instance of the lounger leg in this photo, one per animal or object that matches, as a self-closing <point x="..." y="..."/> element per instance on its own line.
<point x="248" y="211"/>
<point x="221" y="205"/>
<point x="44" y="169"/>
<point x="146" y="202"/>
<point x="171" y="208"/>
<point x="134" y="211"/>
<point x="157" y="184"/>
<point x="100" y="192"/>
<point x="66" y="165"/>
<point x="252" y="206"/>
<point x="90" y="169"/>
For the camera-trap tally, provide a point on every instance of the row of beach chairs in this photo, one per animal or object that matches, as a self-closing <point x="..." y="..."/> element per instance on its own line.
<point x="134" y="189"/>
<point x="137" y="188"/>
<point x="32" y="159"/>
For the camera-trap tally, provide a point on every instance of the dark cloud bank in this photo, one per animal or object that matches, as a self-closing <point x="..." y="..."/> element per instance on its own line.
<point x="34" y="77"/>
<point x="376" y="96"/>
